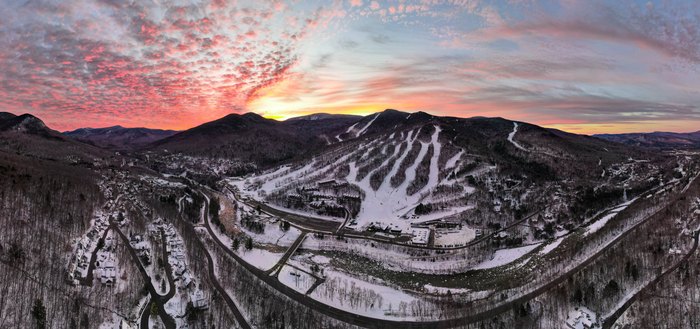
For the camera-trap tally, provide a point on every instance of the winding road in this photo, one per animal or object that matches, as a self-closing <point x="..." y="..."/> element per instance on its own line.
<point x="610" y="320"/>
<point x="317" y="225"/>
<point x="156" y="298"/>
<point x="368" y="322"/>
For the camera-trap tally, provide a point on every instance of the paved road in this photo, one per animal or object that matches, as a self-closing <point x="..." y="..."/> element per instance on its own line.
<point x="160" y="301"/>
<point x="345" y="222"/>
<point x="610" y="321"/>
<point x="317" y="225"/>
<point x="242" y="321"/>
<point x="290" y="251"/>
<point x="88" y="280"/>
<point x="168" y="267"/>
<point x="368" y="322"/>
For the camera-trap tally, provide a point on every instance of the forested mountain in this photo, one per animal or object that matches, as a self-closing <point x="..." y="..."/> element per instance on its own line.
<point x="390" y="220"/>
<point x="663" y="140"/>
<point x="118" y="137"/>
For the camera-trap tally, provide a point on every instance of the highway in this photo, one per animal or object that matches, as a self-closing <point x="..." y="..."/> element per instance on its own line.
<point x="211" y="271"/>
<point x="316" y="225"/>
<point x="368" y="322"/>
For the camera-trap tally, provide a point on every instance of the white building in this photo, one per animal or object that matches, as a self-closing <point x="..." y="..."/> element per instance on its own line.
<point x="420" y="236"/>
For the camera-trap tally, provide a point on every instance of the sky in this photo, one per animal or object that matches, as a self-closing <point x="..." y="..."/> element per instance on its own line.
<point x="584" y="66"/>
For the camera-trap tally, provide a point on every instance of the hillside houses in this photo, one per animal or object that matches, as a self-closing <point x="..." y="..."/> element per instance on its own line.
<point x="142" y="248"/>
<point x="106" y="267"/>
<point x="582" y="318"/>
<point x="84" y="247"/>
<point x="177" y="258"/>
<point x="199" y="301"/>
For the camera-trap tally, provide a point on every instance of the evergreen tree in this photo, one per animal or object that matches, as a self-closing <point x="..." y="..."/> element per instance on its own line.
<point x="611" y="289"/>
<point x="235" y="244"/>
<point x="284" y="225"/>
<point x="214" y="208"/>
<point x="249" y="243"/>
<point x="39" y="314"/>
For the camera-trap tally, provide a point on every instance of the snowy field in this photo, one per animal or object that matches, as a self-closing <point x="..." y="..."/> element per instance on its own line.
<point x="552" y="245"/>
<point x="396" y="258"/>
<point x="259" y="258"/>
<point x="598" y="224"/>
<point x="454" y="238"/>
<point x="295" y="279"/>
<point x="506" y="256"/>
<point x="367" y="297"/>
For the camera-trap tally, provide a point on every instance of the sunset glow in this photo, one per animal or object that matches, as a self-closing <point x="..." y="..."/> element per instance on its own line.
<point x="581" y="66"/>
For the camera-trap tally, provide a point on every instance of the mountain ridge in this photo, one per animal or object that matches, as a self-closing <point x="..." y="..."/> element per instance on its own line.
<point x="657" y="139"/>
<point x="118" y="137"/>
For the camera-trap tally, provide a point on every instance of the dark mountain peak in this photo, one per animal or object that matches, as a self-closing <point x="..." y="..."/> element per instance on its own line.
<point x="393" y="111"/>
<point x="91" y="131"/>
<point x="240" y="119"/>
<point x="221" y="130"/>
<point x="25" y="123"/>
<point x="6" y="115"/>
<point x="253" y="116"/>
<point x="322" y="116"/>
<point x="420" y="117"/>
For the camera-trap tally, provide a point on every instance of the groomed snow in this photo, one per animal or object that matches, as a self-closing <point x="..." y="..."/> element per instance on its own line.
<point x="387" y="204"/>
<point x="512" y="134"/>
<point x="362" y="131"/>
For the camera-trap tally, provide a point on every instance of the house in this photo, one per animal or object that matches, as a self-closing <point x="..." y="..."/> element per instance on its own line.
<point x="125" y="325"/>
<point x="186" y="279"/>
<point x="581" y="318"/>
<point x="393" y="228"/>
<point x="106" y="270"/>
<point x="327" y="183"/>
<point x="199" y="301"/>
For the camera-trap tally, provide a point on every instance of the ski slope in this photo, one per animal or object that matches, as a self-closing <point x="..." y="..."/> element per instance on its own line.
<point x="512" y="134"/>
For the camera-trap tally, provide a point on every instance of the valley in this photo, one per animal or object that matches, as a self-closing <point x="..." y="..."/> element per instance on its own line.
<point x="392" y="220"/>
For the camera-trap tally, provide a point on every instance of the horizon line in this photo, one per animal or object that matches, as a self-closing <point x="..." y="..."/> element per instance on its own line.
<point x="280" y="119"/>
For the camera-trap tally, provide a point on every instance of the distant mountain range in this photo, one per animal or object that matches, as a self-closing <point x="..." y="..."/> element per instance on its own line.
<point x="250" y="137"/>
<point x="118" y="137"/>
<point x="656" y="139"/>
